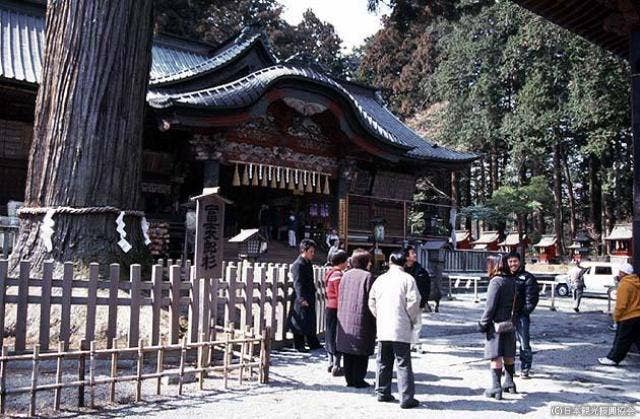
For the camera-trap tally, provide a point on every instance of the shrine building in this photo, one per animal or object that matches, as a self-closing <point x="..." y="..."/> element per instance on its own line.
<point x="278" y="137"/>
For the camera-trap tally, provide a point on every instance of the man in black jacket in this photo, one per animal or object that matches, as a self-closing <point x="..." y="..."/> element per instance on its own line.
<point x="422" y="277"/>
<point x="302" y="319"/>
<point x="526" y="301"/>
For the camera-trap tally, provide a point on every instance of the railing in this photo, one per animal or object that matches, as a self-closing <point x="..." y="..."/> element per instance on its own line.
<point x="250" y="294"/>
<point x="236" y="350"/>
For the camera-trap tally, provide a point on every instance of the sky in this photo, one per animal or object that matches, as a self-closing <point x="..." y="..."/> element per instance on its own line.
<point x="350" y="18"/>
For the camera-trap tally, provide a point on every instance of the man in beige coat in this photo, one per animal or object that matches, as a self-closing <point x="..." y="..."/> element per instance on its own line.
<point x="395" y="302"/>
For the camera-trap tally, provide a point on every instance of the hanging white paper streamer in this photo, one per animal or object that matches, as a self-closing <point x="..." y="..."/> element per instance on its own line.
<point x="46" y="229"/>
<point x="123" y="243"/>
<point x="145" y="230"/>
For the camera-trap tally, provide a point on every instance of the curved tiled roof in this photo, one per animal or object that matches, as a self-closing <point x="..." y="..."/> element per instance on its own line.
<point x="207" y="65"/>
<point x="22" y="44"/>
<point x="373" y="115"/>
<point x="249" y="89"/>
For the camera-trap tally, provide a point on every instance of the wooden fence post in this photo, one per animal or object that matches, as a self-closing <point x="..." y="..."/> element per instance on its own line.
<point x="183" y="356"/>
<point x="134" y="315"/>
<point x="58" y="391"/>
<point x="262" y="274"/>
<point x="81" y="368"/>
<point x="213" y="308"/>
<point x="65" y="313"/>
<point x="156" y="310"/>
<point x="114" y="371"/>
<point x="21" y="310"/>
<point x="271" y="274"/>
<point x="174" y="277"/>
<point x="45" y="306"/>
<point x="92" y="373"/>
<point x="160" y="365"/>
<point x="140" y="366"/>
<point x="34" y="380"/>
<point x="4" y="269"/>
<point x="232" y="278"/>
<point x="195" y="302"/>
<point x="94" y="272"/>
<point x="204" y="323"/>
<point x="3" y="379"/>
<point x="247" y="274"/>
<point x="114" y="282"/>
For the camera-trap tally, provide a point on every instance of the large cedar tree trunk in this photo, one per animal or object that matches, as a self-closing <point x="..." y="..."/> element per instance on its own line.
<point x="87" y="145"/>
<point x="557" y="193"/>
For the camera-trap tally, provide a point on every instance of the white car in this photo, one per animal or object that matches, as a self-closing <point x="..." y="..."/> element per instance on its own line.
<point x="597" y="280"/>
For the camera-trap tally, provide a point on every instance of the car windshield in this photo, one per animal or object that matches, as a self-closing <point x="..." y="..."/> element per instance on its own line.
<point x="603" y="270"/>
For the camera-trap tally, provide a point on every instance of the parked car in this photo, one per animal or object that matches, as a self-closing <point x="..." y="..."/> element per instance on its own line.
<point x="597" y="280"/>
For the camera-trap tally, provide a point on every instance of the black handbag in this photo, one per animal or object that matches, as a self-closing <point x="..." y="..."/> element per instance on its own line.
<point x="507" y="326"/>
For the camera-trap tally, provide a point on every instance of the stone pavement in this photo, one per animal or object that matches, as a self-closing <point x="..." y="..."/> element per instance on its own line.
<point x="450" y="377"/>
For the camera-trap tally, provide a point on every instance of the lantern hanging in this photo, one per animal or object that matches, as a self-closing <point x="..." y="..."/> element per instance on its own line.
<point x="236" y="177"/>
<point x="245" y="176"/>
<point x="326" y="185"/>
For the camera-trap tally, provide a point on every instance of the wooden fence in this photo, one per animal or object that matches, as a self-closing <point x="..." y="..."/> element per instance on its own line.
<point x="236" y="350"/>
<point x="250" y="295"/>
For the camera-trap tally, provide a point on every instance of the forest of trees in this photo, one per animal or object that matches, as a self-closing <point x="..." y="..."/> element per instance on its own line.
<point x="548" y="112"/>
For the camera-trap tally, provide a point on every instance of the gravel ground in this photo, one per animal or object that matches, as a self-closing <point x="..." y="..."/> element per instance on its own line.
<point x="450" y="377"/>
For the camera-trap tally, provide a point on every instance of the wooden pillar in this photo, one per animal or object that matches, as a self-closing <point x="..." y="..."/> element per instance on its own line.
<point x="454" y="203"/>
<point x="345" y="175"/>
<point x="634" y="61"/>
<point x="211" y="173"/>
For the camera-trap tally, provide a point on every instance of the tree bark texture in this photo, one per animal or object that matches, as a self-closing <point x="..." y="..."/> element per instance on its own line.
<point x="572" y="198"/>
<point x="87" y="146"/>
<point x="595" y="195"/>
<point x="557" y="193"/>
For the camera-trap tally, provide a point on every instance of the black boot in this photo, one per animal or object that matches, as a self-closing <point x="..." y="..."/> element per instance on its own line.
<point x="496" y="389"/>
<point x="509" y="386"/>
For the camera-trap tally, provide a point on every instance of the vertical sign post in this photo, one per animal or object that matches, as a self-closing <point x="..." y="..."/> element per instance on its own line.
<point x="209" y="247"/>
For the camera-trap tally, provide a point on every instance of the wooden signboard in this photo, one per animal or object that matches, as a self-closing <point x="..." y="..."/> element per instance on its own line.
<point x="209" y="233"/>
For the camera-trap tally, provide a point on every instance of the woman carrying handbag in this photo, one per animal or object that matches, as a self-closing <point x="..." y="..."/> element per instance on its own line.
<point x="497" y="323"/>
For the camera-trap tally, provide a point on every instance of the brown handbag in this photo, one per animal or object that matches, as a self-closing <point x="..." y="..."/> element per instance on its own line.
<point x="507" y="325"/>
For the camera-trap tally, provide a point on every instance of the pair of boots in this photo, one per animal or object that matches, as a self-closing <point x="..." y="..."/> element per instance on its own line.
<point x="497" y="388"/>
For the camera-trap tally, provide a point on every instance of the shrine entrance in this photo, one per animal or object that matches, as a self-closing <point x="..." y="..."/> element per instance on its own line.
<point x="265" y="196"/>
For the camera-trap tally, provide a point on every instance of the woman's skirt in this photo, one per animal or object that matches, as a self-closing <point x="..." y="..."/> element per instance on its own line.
<point x="500" y="344"/>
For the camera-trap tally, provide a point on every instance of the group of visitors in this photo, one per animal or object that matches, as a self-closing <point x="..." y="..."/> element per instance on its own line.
<point x="360" y="309"/>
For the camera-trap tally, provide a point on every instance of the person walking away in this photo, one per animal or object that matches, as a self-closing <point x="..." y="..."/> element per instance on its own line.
<point x="627" y="316"/>
<point x="332" y="286"/>
<point x="527" y="298"/>
<point x="395" y="302"/>
<point x="500" y="345"/>
<point x="423" y="282"/>
<point x="356" y="334"/>
<point x="292" y="227"/>
<point x="576" y="283"/>
<point x="302" y="320"/>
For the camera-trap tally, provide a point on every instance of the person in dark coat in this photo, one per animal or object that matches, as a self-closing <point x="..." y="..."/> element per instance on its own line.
<point x="527" y="298"/>
<point x="332" y="291"/>
<point x="302" y="320"/>
<point x="422" y="277"/>
<point x="356" y="334"/>
<point x="500" y="348"/>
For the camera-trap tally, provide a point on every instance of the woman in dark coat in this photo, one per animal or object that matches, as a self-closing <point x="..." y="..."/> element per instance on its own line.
<point x="499" y="347"/>
<point x="356" y="334"/>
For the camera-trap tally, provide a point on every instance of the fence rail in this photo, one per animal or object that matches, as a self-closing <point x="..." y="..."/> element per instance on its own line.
<point x="236" y="349"/>
<point x="250" y="294"/>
